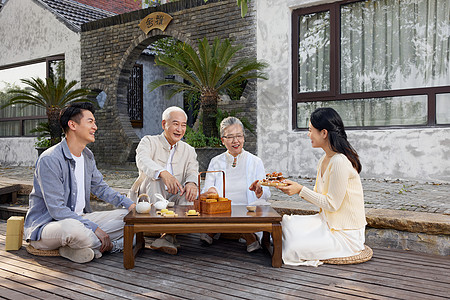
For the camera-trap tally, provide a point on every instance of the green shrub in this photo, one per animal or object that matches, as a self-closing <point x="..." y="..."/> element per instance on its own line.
<point x="198" y="140"/>
<point x="43" y="142"/>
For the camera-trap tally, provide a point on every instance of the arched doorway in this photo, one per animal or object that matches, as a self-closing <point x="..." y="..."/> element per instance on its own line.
<point x="112" y="46"/>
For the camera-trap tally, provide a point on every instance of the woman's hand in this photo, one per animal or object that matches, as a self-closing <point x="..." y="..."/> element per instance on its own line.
<point x="291" y="188"/>
<point x="257" y="188"/>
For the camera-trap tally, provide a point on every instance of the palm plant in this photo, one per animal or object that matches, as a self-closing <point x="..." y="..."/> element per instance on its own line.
<point x="209" y="72"/>
<point x="51" y="97"/>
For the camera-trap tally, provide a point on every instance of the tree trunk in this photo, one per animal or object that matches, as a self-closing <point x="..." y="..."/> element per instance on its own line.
<point x="209" y="108"/>
<point x="53" y="124"/>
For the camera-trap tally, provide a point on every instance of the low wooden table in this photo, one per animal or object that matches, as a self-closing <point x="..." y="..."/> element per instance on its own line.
<point x="265" y="219"/>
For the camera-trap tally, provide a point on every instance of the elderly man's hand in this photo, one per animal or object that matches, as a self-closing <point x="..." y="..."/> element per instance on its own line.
<point x="173" y="186"/>
<point x="191" y="191"/>
<point x="104" y="239"/>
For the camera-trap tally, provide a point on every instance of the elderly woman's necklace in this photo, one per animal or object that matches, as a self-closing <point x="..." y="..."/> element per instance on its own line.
<point x="234" y="159"/>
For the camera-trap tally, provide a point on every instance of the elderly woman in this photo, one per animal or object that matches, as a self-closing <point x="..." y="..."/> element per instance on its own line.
<point x="242" y="172"/>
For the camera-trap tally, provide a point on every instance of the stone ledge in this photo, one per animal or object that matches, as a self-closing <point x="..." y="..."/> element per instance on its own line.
<point x="410" y="221"/>
<point x="436" y="244"/>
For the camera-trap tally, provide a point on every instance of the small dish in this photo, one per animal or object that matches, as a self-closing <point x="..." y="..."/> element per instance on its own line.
<point x="251" y="208"/>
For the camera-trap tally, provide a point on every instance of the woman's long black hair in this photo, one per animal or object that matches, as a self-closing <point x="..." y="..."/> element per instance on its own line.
<point x="327" y="118"/>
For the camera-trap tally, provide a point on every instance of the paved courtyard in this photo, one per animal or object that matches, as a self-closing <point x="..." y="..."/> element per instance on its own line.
<point x="388" y="194"/>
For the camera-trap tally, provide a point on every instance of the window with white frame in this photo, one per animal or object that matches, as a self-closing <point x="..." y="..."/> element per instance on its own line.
<point x="378" y="63"/>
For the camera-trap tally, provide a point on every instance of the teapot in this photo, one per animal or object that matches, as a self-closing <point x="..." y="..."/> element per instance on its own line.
<point x="161" y="203"/>
<point x="143" y="204"/>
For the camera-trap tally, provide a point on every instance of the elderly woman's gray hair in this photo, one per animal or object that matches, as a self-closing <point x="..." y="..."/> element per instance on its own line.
<point x="227" y="122"/>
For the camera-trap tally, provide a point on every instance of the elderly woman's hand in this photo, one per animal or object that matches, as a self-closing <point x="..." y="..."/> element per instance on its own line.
<point x="257" y="188"/>
<point x="291" y="188"/>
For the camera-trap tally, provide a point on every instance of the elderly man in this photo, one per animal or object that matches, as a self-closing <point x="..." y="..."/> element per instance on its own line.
<point x="167" y="166"/>
<point x="59" y="216"/>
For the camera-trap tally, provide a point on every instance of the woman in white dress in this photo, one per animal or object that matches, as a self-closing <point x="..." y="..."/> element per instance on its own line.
<point x="242" y="172"/>
<point x="338" y="229"/>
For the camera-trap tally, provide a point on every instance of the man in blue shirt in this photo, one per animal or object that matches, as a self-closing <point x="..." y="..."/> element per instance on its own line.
<point x="60" y="215"/>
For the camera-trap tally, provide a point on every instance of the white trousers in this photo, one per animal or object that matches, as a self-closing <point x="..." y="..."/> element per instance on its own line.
<point x="73" y="233"/>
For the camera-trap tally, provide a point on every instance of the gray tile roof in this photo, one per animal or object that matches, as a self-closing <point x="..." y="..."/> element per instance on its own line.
<point x="72" y="13"/>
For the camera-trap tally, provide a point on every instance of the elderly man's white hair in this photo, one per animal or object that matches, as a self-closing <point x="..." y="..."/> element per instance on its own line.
<point x="169" y="110"/>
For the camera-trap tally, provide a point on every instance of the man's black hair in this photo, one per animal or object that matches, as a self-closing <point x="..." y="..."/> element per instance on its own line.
<point x="73" y="112"/>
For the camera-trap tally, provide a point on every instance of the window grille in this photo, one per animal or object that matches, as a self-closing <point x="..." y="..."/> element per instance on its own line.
<point x="135" y="96"/>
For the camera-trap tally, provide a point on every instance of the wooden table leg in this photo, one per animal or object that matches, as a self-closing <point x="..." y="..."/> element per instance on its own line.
<point x="140" y="243"/>
<point x="265" y="242"/>
<point x="277" y="245"/>
<point x="128" y="255"/>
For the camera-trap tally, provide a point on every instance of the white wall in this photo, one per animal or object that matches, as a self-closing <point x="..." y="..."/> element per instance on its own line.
<point x="28" y="31"/>
<point x="419" y="154"/>
<point x="18" y="151"/>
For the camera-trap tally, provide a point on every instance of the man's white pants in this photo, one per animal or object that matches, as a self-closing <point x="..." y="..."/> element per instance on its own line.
<point x="73" y="233"/>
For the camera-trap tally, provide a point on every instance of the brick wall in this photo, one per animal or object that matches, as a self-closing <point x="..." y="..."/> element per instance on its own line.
<point x="115" y="6"/>
<point x="109" y="48"/>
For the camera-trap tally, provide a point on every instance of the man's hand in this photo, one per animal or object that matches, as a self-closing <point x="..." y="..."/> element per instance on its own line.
<point x="291" y="188"/>
<point x="104" y="238"/>
<point x="173" y="186"/>
<point x="257" y="188"/>
<point x="191" y="191"/>
<point x="131" y="207"/>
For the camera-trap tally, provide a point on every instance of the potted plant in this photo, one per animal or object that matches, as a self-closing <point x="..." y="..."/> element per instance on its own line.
<point x="43" y="139"/>
<point x="51" y="97"/>
<point x="209" y="72"/>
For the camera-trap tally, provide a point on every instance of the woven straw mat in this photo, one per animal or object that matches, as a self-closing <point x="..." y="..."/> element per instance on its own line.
<point x="364" y="256"/>
<point x="38" y="252"/>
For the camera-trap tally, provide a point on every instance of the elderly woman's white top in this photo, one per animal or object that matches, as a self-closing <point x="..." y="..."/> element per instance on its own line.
<point x="237" y="179"/>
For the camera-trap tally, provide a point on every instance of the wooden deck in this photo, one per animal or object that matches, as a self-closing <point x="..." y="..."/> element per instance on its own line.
<point x="222" y="271"/>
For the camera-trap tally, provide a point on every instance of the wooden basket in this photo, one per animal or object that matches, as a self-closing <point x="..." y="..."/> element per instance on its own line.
<point x="218" y="207"/>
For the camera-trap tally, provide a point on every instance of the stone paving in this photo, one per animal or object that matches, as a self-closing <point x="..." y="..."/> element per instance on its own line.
<point x="384" y="194"/>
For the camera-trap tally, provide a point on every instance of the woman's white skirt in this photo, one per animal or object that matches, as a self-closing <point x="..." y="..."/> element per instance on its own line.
<point x="309" y="239"/>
